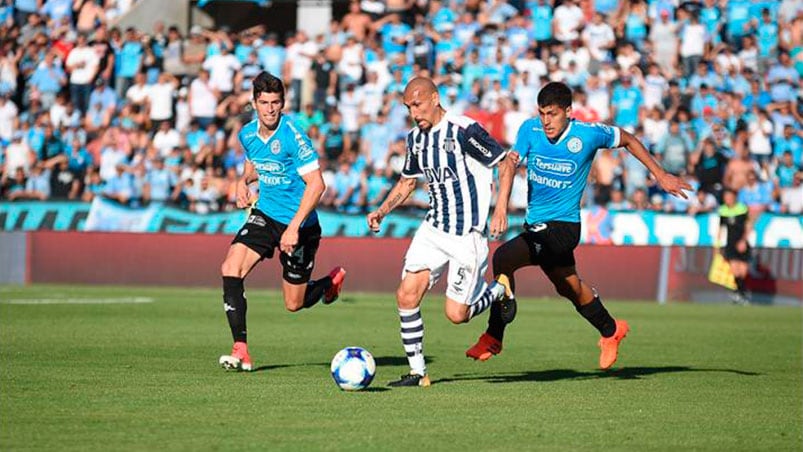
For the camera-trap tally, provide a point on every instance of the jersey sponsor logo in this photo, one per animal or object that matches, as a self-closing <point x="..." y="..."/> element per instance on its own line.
<point x="559" y="167"/>
<point x="274" y="180"/>
<point x="549" y="182"/>
<point x="483" y="150"/>
<point x="270" y="166"/>
<point x="439" y="175"/>
<point x="276" y="147"/>
<point x="574" y="145"/>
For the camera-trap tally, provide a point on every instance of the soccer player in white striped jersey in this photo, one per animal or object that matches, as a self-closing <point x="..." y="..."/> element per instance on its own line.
<point x="456" y="156"/>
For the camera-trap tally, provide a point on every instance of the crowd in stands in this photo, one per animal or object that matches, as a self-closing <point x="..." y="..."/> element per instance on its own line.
<point x="712" y="88"/>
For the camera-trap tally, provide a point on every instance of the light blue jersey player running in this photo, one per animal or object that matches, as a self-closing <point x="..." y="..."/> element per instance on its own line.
<point x="559" y="152"/>
<point x="280" y="155"/>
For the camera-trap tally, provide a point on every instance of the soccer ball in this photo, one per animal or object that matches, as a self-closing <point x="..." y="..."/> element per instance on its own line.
<point x="353" y="368"/>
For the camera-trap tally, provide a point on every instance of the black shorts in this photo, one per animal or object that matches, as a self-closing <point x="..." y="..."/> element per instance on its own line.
<point x="263" y="234"/>
<point x="552" y="243"/>
<point x="730" y="253"/>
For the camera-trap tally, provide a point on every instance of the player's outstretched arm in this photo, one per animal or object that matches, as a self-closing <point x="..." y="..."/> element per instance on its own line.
<point x="507" y="170"/>
<point x="397" y="195"/>
<point x="243" y="192"/>
<point x="668" y="182"/>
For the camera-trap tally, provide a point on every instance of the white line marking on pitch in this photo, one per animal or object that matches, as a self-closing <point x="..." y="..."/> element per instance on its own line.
<point x="122" y="300"/>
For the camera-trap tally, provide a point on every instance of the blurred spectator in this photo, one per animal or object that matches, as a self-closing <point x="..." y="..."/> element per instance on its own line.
<point x="18" y="154"/>
<point x="702" y="202"/>
<point x="82" y="64"/>
<point x="618" y="201"/>
<point x="673" y="149"/>
<point x="756" y="194"/>
<point x="792" y="197"/>
<point x="9" y="121"/>
<point x="130" y="61"/>
<point x="203" y="99"/>
<point x="791" y="141"/>
<point x="47" y="80"/>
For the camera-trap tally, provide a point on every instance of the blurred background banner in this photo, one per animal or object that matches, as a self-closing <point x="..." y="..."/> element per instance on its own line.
<point x="599" y="227"/>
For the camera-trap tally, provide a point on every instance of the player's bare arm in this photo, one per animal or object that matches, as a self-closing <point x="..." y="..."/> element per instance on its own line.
<point x="668" y="182"/>
<point x="312" y="194"/>
<point x="400" y="192"/>
<point x="507" y="169"/>
<point x="243" y="192"/>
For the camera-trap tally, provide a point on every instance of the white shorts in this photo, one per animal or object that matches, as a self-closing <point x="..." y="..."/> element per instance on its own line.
<point x="466" y="256"/>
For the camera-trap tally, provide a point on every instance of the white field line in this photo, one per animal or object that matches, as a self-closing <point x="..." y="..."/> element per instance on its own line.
<point x="120" y="300"/>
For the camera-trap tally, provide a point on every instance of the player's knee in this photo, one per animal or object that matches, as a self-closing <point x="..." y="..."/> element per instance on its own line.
<point x="456" y="312"/>
<point x="457" y="317"/>
<point x="229" y="268"/>
<point x="406" y="299"/>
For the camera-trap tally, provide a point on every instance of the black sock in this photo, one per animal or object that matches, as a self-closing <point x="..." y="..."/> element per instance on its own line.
<point x="496" y="327"/>
<point x="597" y="315"/>
<point x="740" y="285"/>
<point x="235" y="305"/>
<point x="315" y="290"/>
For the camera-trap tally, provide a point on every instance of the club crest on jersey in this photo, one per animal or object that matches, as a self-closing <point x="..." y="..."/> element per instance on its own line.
<point x="276" y="146"/>
<point x="574" y="145"/>
<point x="449" y="145"/>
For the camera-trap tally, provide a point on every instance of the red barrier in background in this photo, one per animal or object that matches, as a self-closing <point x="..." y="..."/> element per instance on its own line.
<point x="374" y="265"/>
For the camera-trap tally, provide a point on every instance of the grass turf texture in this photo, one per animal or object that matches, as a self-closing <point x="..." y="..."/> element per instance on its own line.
<point x="145" y="376"/>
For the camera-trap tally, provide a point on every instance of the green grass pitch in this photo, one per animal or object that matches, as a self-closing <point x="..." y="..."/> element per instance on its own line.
<point x="144" y="376"/>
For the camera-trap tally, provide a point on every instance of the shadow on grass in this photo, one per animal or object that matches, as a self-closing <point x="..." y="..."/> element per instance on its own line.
<point x="624" y="373"/>
<point x="373" y="389"/>
<point x="280" y="366"/>
<point x="397" y="360"/>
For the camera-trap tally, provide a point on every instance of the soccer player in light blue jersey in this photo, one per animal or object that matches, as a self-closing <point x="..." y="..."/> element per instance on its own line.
<point x="456" y="156"/>
<point x="281" y="157"/>
<point x="559" y="152"/>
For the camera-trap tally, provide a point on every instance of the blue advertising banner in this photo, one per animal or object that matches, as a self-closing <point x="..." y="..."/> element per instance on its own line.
<point x="599" y="226"/>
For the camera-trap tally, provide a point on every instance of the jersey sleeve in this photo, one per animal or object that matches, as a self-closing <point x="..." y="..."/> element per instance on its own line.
<point x="243" y="144"/>
<point x="522" y="144"/>
<point x="411" y="167"/>
<point x="303" y="153"/>
<point x="476" y="142"/>
<point x="608" y="137"/>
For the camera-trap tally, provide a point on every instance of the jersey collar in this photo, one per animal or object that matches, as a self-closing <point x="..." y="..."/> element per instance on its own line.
<point x="565" y="132"/>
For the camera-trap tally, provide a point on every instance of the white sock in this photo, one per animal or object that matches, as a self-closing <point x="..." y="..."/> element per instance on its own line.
<point x="412" y="334"/>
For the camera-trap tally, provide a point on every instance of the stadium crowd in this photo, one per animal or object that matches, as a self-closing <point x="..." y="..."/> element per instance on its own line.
<point x="139" y="116"/>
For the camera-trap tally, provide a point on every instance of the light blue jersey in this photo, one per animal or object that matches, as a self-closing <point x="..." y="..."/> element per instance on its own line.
<point x="280" y="162"/>
<point x="557" y="172"/>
